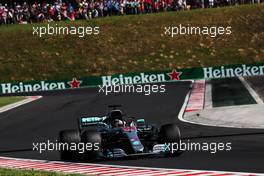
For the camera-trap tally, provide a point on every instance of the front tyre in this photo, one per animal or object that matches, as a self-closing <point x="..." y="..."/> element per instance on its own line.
<point x="170" y="135"/>
<point x="68" y="137"/>
<point x="93" y="140"/>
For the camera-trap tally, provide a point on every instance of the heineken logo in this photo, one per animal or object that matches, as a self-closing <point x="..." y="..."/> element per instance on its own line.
<point x="20" y="87"/>
<point x="74" y="83"/>
<point x="243" y="70"/>
<point x="174" y="75"/>
<point x="38" y="86"/>
<point x="140" y="78"/>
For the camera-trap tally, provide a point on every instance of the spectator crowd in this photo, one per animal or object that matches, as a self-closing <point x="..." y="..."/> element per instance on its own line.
<point x="87" y="9"/>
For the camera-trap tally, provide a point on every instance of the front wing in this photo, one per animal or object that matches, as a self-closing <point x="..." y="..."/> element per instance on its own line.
<point x="158" y="149"/>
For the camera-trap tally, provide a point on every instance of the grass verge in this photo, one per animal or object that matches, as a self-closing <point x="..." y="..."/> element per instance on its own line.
<point x="133" y="43"/>
<point x="15" y="172"/>
<point x="9" y="100"/>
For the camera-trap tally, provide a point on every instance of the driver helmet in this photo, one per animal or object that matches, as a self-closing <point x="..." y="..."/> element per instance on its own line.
<point x="118" y="123"/>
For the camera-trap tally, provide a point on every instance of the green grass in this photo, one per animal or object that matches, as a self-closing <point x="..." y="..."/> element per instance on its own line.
<point x="14" y="172"/>
<point x="133" y="44"/>
<point x="9" y="100"/>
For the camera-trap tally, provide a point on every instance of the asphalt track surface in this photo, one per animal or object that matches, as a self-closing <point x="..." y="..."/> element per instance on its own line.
<point x="43" y="119"/>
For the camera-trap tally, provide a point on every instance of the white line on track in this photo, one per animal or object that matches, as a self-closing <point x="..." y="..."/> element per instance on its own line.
<point x="208" y="96"/>
<point x="251" y="90"/>
<point x="19" y="103"/>
<point x="186" y="99"/>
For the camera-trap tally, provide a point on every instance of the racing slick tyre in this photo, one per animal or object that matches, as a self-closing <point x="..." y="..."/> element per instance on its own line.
<point x="93" y="140"/>
<point x="67" y="137"/>
<point x="170" y="134"/>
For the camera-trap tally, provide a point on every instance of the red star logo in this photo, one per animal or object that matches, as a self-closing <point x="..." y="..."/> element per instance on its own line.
<point x="174" y="75"/>
<point x="74" y="83"/>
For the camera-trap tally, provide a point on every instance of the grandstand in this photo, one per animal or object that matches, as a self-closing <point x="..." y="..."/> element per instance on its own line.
<point x="30" y="11"/>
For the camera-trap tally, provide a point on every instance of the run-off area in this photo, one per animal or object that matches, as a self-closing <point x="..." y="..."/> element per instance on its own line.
<point x="230" y="92"/>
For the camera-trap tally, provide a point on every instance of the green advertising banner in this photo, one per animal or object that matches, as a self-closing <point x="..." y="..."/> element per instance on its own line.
<point x="136" y="78"/>
<point x="233" y="71"/>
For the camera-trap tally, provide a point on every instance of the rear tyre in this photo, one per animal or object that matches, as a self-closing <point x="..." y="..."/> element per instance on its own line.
<point x="170" y="134"/>
<point x="93" y="140"/>
<point x="67" y="137"/>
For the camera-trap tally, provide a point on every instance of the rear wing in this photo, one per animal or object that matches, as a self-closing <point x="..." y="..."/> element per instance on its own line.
<point x="90" y="121"/>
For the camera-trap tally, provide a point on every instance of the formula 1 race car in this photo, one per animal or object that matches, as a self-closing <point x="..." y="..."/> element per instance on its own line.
<point x="117" y="136"/>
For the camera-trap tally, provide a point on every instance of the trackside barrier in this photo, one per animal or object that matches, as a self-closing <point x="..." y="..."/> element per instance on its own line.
<point x="135" y="78"/>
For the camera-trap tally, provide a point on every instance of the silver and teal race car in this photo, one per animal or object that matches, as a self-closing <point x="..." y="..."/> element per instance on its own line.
<point x="117" y="136"/>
